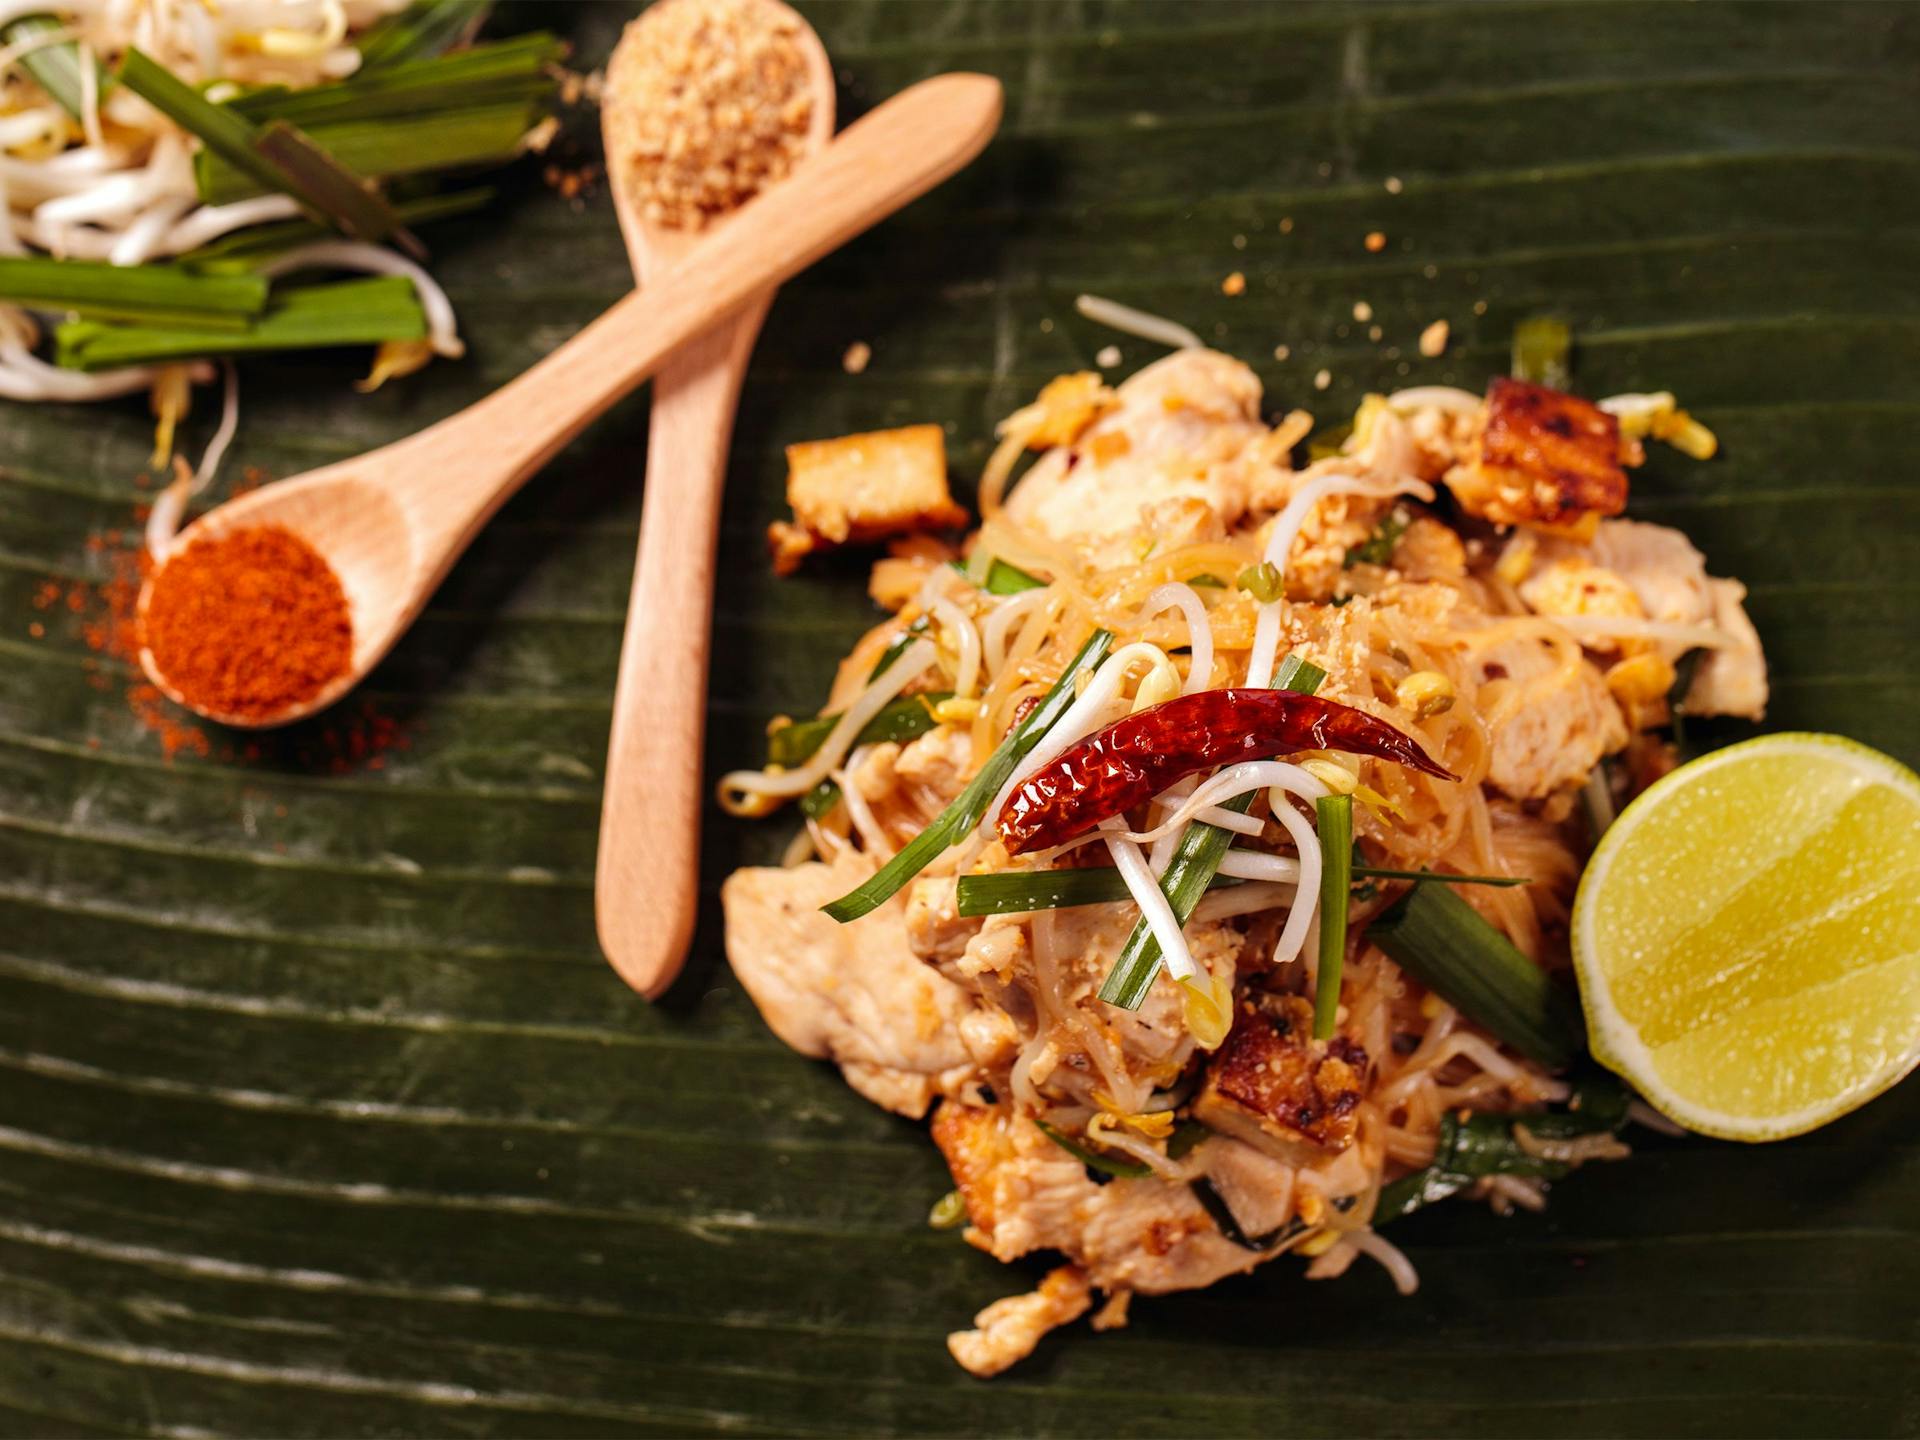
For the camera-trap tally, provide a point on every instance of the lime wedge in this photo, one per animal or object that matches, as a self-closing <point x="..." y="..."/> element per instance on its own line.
<point x="1747" y="936"/>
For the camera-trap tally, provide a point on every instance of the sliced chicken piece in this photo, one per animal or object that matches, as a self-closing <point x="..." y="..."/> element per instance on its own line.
<point x="1025" y="1193"/>
<point x="1668" y="578"/>
<point x="1180" y="432"/>
<point x="1548" y="712"/>
<point x="853" y="994"/>
<point x="1007" y="1330"/>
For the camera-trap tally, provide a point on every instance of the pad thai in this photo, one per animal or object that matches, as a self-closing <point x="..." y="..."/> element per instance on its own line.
<point x="1196" y="841"/>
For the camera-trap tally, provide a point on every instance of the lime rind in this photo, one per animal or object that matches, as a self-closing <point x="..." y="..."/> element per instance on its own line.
<point x="1614" y="1040"/>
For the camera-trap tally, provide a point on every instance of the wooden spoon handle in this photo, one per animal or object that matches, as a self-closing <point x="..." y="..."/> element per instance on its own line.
<point x="473" y="461"/>
<point x="646" y="885"/>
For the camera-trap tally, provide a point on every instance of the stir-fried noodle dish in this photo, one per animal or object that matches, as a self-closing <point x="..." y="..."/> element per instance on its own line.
<point x="1196" y="841"/>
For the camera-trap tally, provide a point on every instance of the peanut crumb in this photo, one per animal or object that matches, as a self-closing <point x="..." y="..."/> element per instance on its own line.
<point x="1281" y="352"/>
<point x="1322" y="379"/>
<point x="1362" y="311"/>
<point x="1234" y="284"/>
<point x="708" y="105"/>
<point x="1108" y="357"/>
<point x="1433" y="339"/>
<point x="1394" y="187"/>
<point x="1376" y="241"/>
<point x="859" y="355"/>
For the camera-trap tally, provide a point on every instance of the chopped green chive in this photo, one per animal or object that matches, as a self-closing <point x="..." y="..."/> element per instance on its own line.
<point x="301" y="317"/>
<point x="899" y="720"/>
<point x="157" y="294"/>
<point x="1004" y="579"/>
<point x="1296" y="673"/>
<point x="424" y="28"/>
<point x="821" y="801"/>
<point x="1017" y="892"/>
<point x="1542" y="351"/>
<point x="1440" y="940"/>
<point x="281" y="159"/>
<point x="1377" y="548"/>
<point x="57" y="67"/>
<point x="512" y="71"/>
<point x="1335" y="815"/>
<point x="1484" y="1144"/>
<point x="958" y="819"/>
<point x="1093" y="1159"/>
<point x="400" y="145"/>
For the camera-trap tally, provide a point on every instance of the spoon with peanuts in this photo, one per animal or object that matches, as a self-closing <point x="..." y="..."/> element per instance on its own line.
<point x="647" y="880"/>
<point x="391" y="523"/>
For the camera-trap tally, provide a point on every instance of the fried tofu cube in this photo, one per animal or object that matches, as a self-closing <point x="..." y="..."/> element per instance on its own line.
<point x="1542" y="458"/>
<point x="1274" y="1087"/>
<point x="863" y="487"/>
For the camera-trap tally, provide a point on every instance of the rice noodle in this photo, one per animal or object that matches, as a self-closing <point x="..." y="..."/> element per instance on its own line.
<point x="1012" y="611"/>
<point x="960" y="628"/>
<point x="873" y="835"/>
<point x="1631" y="627"/>
<point x="1185" y="599"/>
<point x="1286" y="530"/>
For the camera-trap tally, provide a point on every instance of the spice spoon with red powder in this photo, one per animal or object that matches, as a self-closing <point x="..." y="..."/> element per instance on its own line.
<point x="369" y="539"/>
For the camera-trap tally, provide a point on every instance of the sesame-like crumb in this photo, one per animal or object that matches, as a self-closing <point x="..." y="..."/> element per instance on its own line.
<point x="1433" y="339"/>
<point x="1286" y="225"/>
<point x="1394" y="187"/>
<point x="1322" y="379"/>
<point x="1108" y="357"/>
<point x="1362" y="311"/>
<point x="1374" y="332"/>
<point x="1376" y="241"/>
<point x="1281" y="352"/>
<point x="1479" y="307"/>
<point x="859" y="355"/>
<point x="1234" y="284"/>
<point x="708" y="104"/>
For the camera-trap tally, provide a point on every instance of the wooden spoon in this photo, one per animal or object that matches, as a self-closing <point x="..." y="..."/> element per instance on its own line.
<point x="646" y="887"/>
<point x="393" y="521"/>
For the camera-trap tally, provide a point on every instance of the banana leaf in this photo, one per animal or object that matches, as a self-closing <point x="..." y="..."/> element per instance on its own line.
<point x="320" y="1113"/>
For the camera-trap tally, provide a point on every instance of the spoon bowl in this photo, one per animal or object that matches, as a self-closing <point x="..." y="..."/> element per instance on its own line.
<point x="393" y="521"/>
<point x="647" y="873"/>
<point x="651" y="247"/>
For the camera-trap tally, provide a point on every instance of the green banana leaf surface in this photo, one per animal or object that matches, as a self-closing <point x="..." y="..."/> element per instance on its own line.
<point x="320" y="1113"/>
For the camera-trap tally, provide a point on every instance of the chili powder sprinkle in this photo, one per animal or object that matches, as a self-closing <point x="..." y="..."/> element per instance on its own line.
<point x="248" y="624"/>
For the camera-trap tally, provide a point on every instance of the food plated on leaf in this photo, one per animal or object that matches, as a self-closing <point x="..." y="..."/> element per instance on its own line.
<point x="1197" y="841"/>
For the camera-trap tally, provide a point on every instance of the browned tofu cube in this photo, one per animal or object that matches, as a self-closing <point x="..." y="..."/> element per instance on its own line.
<point x="863" y="487"/>
<point x="1273" y="1086"/>
<point x="1542" y="458"/>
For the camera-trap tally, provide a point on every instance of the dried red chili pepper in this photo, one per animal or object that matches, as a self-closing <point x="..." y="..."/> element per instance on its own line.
<point x="1134" y="759"/>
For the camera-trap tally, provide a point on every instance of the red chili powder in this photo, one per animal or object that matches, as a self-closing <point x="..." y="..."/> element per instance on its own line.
<point x="248" y="624"/>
